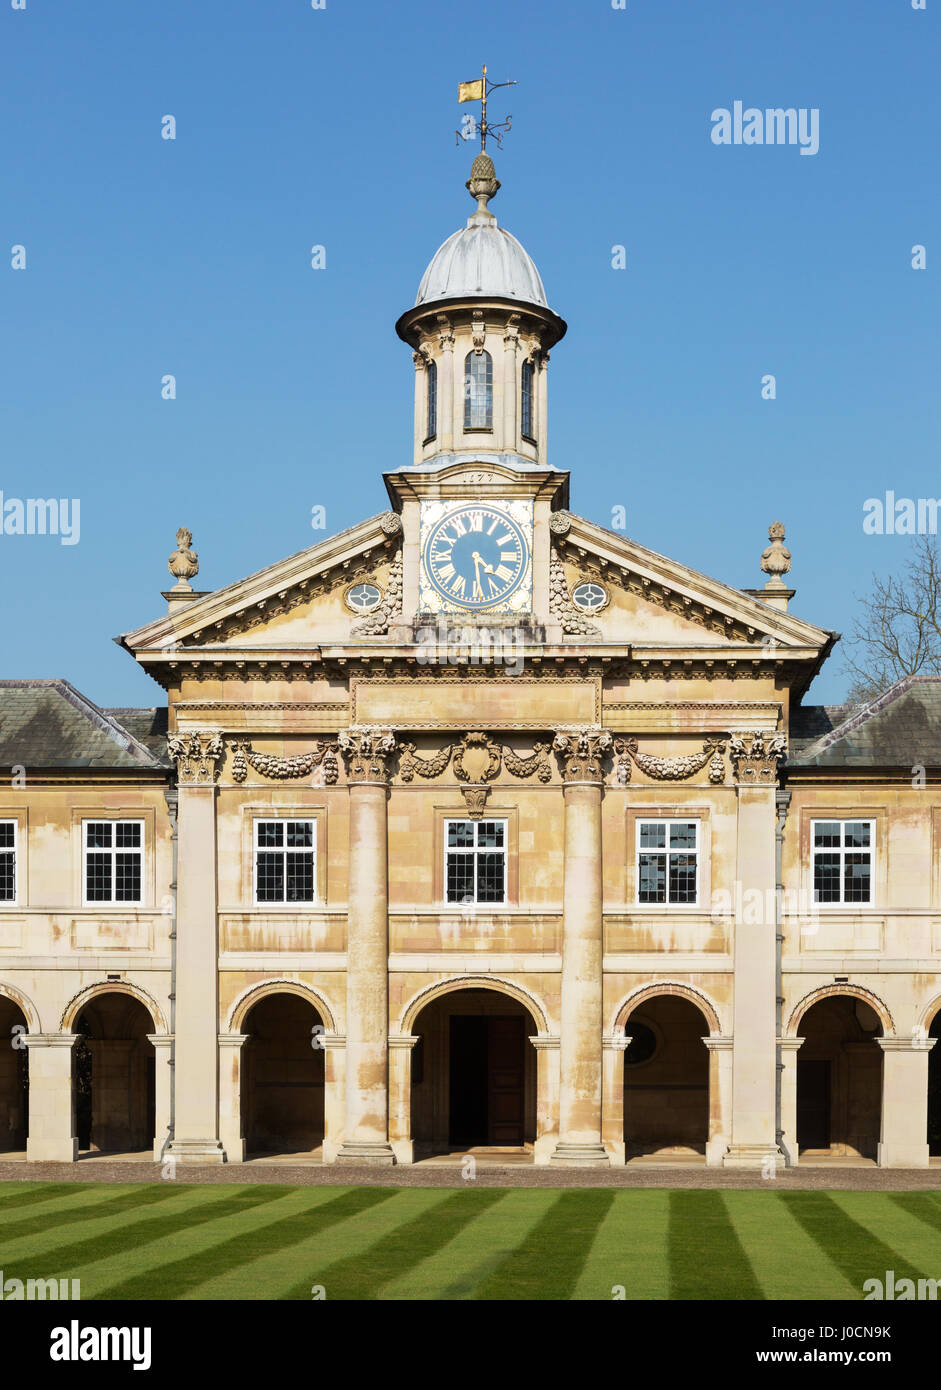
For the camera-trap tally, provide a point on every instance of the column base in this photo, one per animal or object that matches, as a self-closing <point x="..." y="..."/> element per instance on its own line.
<point x="51" y="1150"/>
<point x="581" y="1155"/>
<point x="902" y="1155"/>
<point x="196" y="1151"/>
<point x="752" y="1156"/>
<point x="373" y="1152"/>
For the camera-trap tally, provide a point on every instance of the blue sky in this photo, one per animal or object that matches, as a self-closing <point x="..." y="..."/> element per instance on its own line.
<point x="336" y="126"/>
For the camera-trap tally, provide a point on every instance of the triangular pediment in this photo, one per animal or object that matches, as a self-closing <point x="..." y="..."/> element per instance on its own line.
<point x="298" y="601"/>
<point x="653" y="601"/>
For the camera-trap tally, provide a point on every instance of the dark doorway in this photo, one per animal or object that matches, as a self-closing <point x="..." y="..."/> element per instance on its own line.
<point x="283" y="1076"/>
<point x="813" y="1105"/>
<point x="934" y="1088"/>
<point x="113" y="1075"/>
<point x="14" y="1077"/>
<point x="486" y="1080"/>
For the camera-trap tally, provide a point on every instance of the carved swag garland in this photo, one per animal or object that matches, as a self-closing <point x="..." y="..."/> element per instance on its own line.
<point x="477" y="759"/>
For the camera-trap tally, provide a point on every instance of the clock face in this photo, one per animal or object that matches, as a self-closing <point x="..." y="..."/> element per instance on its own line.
<point x="477" y="556"/>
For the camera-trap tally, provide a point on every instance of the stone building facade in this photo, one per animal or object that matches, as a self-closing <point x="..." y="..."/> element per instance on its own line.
<point x="477" y="826"/>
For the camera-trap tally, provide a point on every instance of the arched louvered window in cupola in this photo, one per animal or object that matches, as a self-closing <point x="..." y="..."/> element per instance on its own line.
<point x="432" y="415"/>
<point x="478" y="391"/>
<point x="527" y="428"/>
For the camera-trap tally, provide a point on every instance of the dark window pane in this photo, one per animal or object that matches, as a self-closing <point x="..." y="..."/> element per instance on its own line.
<point x="856" y="878"/>
<point x="300" y="878"/>
<point x="432" y="423"/>
<point x="300" y="834"/>
<point x="98" y="834"/>
<point x="826" y="878"/>
<point x="652" y="876"/>
<point x="683" y="835"/>
<point x="490" y="834"/>
<point x="7" y="834"/>
<point x="490" y="878"/>
<point x="270" y="833"/>
<point x="460" y="834"/>
<point x="526" y="413"/>
<point x="682" y="878"/>
<point x="653" y="834"/>
<point x="7" y="877"/>
<point x="478" y="391"/>
<point x="98" y="878"/>
<point x="827" y="834"/>
<point x="857" y="834"/>
<point x="270" y="878"/>
<point x="460" y="885"/>
<point x="127" y="834"/>
<point x="127" y="878"/>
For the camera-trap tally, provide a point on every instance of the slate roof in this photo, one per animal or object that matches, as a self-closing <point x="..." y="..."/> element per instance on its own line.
<point x="50" y="724"/>
<point x="900" y="728"/>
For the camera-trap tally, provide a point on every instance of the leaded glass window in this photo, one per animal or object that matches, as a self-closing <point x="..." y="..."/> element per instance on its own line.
<point x="478" y="391"/>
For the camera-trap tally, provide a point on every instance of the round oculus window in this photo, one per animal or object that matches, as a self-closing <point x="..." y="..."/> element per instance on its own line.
<point x="589" y="597"/>
<point x="363" y="598"/>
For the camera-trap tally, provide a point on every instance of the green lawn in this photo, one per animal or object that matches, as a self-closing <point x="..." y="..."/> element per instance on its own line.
<point x="175" y="1240"/>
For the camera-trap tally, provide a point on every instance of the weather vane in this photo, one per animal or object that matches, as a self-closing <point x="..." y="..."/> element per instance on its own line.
<point x="479" y="91"/>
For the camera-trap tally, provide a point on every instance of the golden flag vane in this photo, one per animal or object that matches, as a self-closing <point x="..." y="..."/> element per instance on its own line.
<point x="479" y="90"/>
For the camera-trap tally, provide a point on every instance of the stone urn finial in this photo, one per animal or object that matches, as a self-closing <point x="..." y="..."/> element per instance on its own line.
<point x="183" y="564"/>
<point x="483" y="183"/>
<point x="776" y="558"/>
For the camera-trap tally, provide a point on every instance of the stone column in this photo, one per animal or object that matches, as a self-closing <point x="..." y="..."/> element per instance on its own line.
<point x="612" y="1098"/>
<point x="511" y="387"/>
<point x="720" y="1099"/>
<point x="788" y="1049"/>
<point x="754" y="1060"/>
<point x="580" y="754"/>
<point x="541" y="387"/>
<point x="231" y="1130"/>
<point x="400" y="1095"/>
<point x="421" y="403"/>
<point x="52" y="1136"/>
<point x="547" y="1097"/>
<point x="366" y="1134"/>
<point x="196" y="1019"/>
<point x="903" y="1140"/>
<point x="334" y="1094"/>
<point x="446" y="385"/>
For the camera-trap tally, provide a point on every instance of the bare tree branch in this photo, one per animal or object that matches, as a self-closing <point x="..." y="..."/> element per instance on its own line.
<point x="898" y="632"/>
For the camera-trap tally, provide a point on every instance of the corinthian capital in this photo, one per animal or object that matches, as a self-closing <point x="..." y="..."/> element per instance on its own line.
<point x="367" y="752"/>
<point x="758" y="761"/>
<point x="197" y="755"/>
<point x="581" y="752"/>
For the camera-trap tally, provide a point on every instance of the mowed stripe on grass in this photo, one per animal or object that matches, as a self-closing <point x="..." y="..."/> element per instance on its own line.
<point x="174" y="1240"/>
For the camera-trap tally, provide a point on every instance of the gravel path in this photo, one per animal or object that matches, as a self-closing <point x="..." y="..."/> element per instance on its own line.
<point x="488" y="1175"/>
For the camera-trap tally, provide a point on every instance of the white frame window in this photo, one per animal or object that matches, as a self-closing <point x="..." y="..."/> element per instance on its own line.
<point x="842" y="857"/>
<point x="475" y="860"/>
<point x="666" y="859"/>
<point x="9" y="866"/>
<point x="284" y="860"/>
<point x="113" y="864"/>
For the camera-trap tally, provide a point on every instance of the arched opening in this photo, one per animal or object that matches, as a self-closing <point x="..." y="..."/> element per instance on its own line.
<point x="839" y="1079"/>
<point x="934" y="1088"/>
<point x="473" y="1083"/>
<point x="113" y="1075"/>
<point x="666" y="1078"/>
<point x="478" y="391"/>
<point x="14" y="1077"/>
<point x="283" y="1076"/>
<point x="431" y="414"/>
